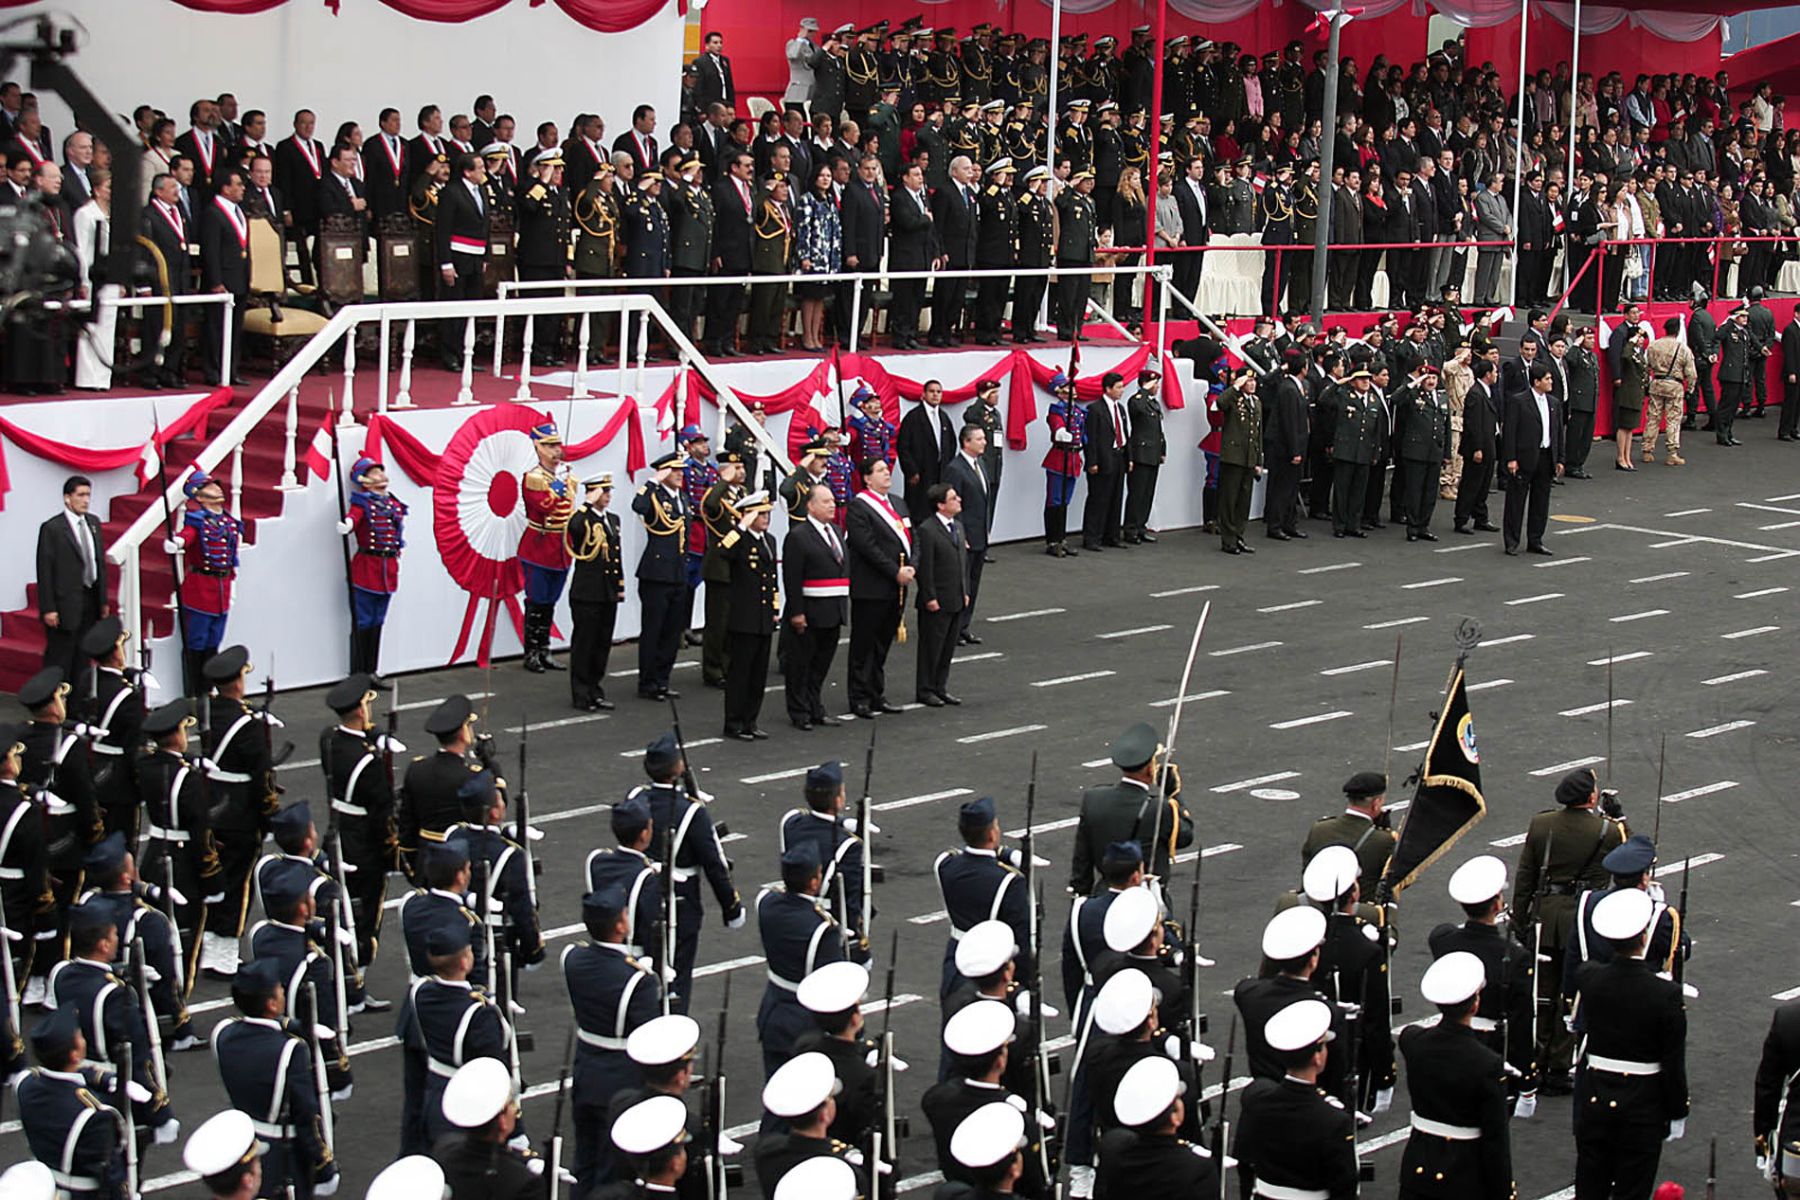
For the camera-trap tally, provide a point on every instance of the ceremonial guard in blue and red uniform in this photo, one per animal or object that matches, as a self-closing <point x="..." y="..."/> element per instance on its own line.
<point x="548" y="491"/>
<point x="840" y="473"/>
<point x="378" y="522"/>
<point x="871" y="434"/>
<point x="1062" y="464"/>
<point x="698" y="474"/>
<point x="208" y="545"/>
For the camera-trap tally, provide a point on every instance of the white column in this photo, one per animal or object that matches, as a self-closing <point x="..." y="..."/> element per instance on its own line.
<point x="289" y="480"/>
<point x="403" y="397"/>
<point x="1518" y="173"/>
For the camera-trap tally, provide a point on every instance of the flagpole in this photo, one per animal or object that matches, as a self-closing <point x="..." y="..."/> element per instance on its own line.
<point x="1055" y="78"/>
<point x="1327" y="155"/>
<point x="1518" y="164"/>
<point x="1574" y="99"/>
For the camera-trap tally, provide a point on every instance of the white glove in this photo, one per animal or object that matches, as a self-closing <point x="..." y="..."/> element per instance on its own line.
<point x="1200" y="1051"/>
<point x="669" y="974"/>
<point x="394" y="744"/>
<point x="274" y="721"/>
<point x="324" y="1033"/>
<point x="171" y="546"/>
<point x="854" y="826"/>
<point x="329" y="1187"/>
<point x="1022" y="1002"/>
<point x="1655" y="891"/>
<point x="736" y="922"/>
<point x="338" y="1097"/>
<point x="884" y="1168"/>
<point x="530" y="967"/>
<point x="215" y="898"/>
<point x="872" y="1059"/>
<point x="535" y="1165"/>
<point x="166" y="1134"/>
<point x="345" y="937"/>
<point x="1061" y="437"/>
<point x="1045" y="1120"/>
<point x="149" y="681"/>
<point x="1677" y="1130"/>
<point x="899" y="1063"/>
<point x="519" y="1142"/>
<point x="346" y="525"/>
<point x="11" y="935"/>
<point x="49" y="935"/>
<point x="136" y="1092"/>
<point x="348" y="868"/>
<point x="729" y="1146"/>
<point x="1526" y="1106"/>
<point x="172" y="892"/>
<point x="1384" y="1100"/>
<point x="151" y="974"/>
<point x="93" y="732"/>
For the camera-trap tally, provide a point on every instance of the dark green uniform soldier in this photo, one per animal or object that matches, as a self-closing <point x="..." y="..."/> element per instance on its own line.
<point x="1074" y="141"/>
<point x="544" y="251"/>
<point x="862" y="75"/>
<point x="943" y="71"/>
<point x="1240" y="458"/>
<point x="984" y="413"/>
<point x="596" y="214"/>
<point x="1562" y="856"/>
<point x="1080" y="229"/>
<point x="719" y="515"/>
<point x="1037" y="250"/>
<point x="884" y="123"/>
<point x="1422" y="429"/>
<point x="1356" y="439"/>
<point x="690" y="243"/>
<point x="1127" y="812"/>
<point x="1360" y="826"/>
<point x="996" y="249"/>
<point x="977" y="68"/>
<point x="1240" y="201"/>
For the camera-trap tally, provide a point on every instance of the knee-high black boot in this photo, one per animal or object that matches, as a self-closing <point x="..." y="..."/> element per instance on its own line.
<point x="533" y="645"/>
<point x="547" y="618"/>
<point x="372" y="650"/>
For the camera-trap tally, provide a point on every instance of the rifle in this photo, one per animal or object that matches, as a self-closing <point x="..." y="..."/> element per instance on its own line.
<point x="664" y="956"/>
<point x="182" y="987"/>
<point x="1042" y="1064"/>
<point x="141" y="981"/>
<point x="1712" y="1168"/>
<point x="688" y="783"/>
<point x="1679" y="967"/>
<point x="1662" y="759"/>
<point x="886" y="1133"/>
<point x="1195" y="1021"/>
<point x="720" y="1176"/>
<point x="1537" y="945"/>
<point x="122" y="1097"/>
<point x="337" y="975"/>
<point x="346" y="911"/>
<point x="1162" y="771"/>
<point x="1609" y="718"/>
<point x="518" y="1040"/>
<point x="551" y="1176"/>
<point x="7" y="976"/>
<point x="485" y="892"/>
<point x="863" y="827"/>
<point x="337" y="488"/>
<point x="523" y="822"/>
<point x="309" y="1029"/>
<point x="190" y="686"/>
<point x="1219" y="1122"/>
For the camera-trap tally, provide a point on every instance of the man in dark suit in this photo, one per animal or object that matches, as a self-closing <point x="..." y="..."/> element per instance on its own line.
<point x="1479" y="448"/>
<point x="1108" y="433"/>
<point x="968" y="474"/>
<point x="862" y="213"/>
<point x="339" y="192"/>
<point x="1285" y="432"/>
<point x="954" y="210"/>
<point x="300" y="164"/>
<point x="943" y="580"/>
<point x="926" y="442"/>
<point x="880" y="534"/>
<point x="1531" y="447"/>
<point x="712" y="82"/>
<point x="423" y="147"/>
<point x="206" y="146"/>
<point x="460" y="240"/>
<point x="71" y="575"/>
<point x="816" y="582"/>
<point x="640" y="140"/>
<point x="225" y="267"/>
<point x="913" y="246"/>
<point x="1191" y="200"/>
<point x="385" y="174"/>
<point x="1790" y="378"/>
<point x="734" y="208"/>
<point x="171" y="233"/>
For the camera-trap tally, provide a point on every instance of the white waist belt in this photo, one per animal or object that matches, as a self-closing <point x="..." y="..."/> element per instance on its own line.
<point x="74" y="1183"/>
<point x="1276" y="1191"/>
<point x="683" y="874"/>
<point x="441" y="1069"/>
<point x="12" y="873"/>
<point x="1483" y="1024"/>
<point x="230" y="776"/>
<point x="1453" y="1133"/>
<point x="786" y="985"/>
<point x="600" y="1040"/>
<point x="264" y="1129"/>
<point x="1623" y="1066"/>
<point x="176" y="836"/>
<point x="348" y="809"/>
<point x="103" y="748"/>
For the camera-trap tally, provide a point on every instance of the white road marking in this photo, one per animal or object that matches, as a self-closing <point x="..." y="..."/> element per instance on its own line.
<point x="1259" y="780"/>
<point x="1000" y="733"/>
<point x="435" y="701"/>
<point x="1125" y="633"/>
<point x="1716" y="680"/>
<point x="1091" y="763"/>
<point x="1777" y="525"/>
<point x="930" y="918"/>
<point x="1408" y="749"/>
<point x="1639" y="616"/>
<point x="1184" y="591"/>
<point x="730" y="964"/>
<point x="1563" y="767"/>
<point x="628" y="672"/>
<point x="1707" y="789"/>
<point x="1189" y="698"/>
<point x="1397" y="623"/>
<point x="1460" y="546"/>
<point x="1682" y="864"/>
<point x="1744" y="633"/>
<point x="1430" y="583"/>
<point x="1485" y="684"/>
<point x="1762" y="558"/>
<point x="1361" y="666"/>
<point x="875" y="1006"/>
<point x="1716" y="730"/>
<point x="1343" y="566"/>
<point x="1774" y="508"/>
<point x="1382" y="1142"/>
<point x="1680" y="541"/>
<point x="586" y="810"/>
<point x="1209" y="852"/>
<point x="1021" y="616"/>
<point x="927" y="798"/>
<point x="1535" y="599"/>
<point x="1564" y="562"/>
<point x="1680" y="538"/>
<point x="1510" y="639"/>
<point x="1769" y="591"/>
<point x="1688" y="512"/>
<point x="1517" y="839"/>
<point x="913" y="1183"/>
<point x="774" y="776"/>
<point x="1663" y="576"/>
<point x="1045" y="827"/>
<point x="1315" y="719"/>
<point x="1585" y="709"/>
<point x="1567" y="1193"/>
<point x="297" y="765"/>
<point x="638" y="752"/>
<point x="969" y="658"/>
<point x="1790" y="994"/>
<point x="1275" y="608"/>
<point x="1779" y="499"/>
<point x="583" y="719"/>
<point x="1062" y="679"/>
<point x="1244" y="649"/>
<point x="1619" y="658"/>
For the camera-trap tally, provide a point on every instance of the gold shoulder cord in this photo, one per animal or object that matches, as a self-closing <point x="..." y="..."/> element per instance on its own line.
<point x="592" y="543"/>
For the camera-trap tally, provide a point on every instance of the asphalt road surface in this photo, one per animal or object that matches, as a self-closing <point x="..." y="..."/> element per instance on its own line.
<point x="1686" y="579"/>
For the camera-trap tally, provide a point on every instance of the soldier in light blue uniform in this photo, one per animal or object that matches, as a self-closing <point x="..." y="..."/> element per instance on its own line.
<point x="982" y="882"/>
<point x="627" y="867"/>
<point x="445" y="1021"/>
<point x="797" y="936"/>
<point x="70" y="1113"/>
<point x="839" y="846"/>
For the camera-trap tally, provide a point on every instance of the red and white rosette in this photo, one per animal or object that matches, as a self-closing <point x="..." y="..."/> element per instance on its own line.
<point x="478" y="516"/>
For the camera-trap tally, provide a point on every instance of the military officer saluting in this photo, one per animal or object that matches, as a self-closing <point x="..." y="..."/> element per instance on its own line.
<point x="982" y="882"/>
<point x="596" y="590"/>
<point x="1126" y="810"/>
<point x="1361" y="826"/>
<point x="839" y="845"/>
<point x="1631" y="1089"/>
<point x="752" y="613"/>
<point x="1146" y="1156"/>
<point x="1422" y="421"/>
<point x="1355" y="442"/>
<point x="1460" y="1145"/>
<point x="1564" y="852"/>
<point x="797" y="935"/>
<point x="996" y="247"/>
<point x="1502" y="1021"/>
<point x="690" y="240"/>
<point x="661" y="574"/>
<point x="481" y="1156"/>
<point x="445" y="1022"/>
<point x="801" y="1097"/>
<point x="627" y="867"/>
<point x="718" y="516"/>
<point x="1293" y="1139"/>
<point x="358" y="764"/>
<point x="544" y="251"/>
<point x="596" y="215"/>
<point x="67" y="1125"/>
<point x="113" y="711"/>
<point x="429" y="803"/>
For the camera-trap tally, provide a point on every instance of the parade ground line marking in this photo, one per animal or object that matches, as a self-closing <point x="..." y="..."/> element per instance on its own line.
<point x="628" y="672"/>
<point x="1662" y="577"/>
<point x="1535" y="599"/>
<point x="1639" y="616"/>
<point x="1716" y="680"/>
<point x="1485" y="684"/>
<point x="1744" y="633"/>
<point x="1328" y="567"/>
<point x="1395" y="624"/>
<point x="969" y="658"/>
<point x="1688" y="512"/>
<point x="1125" y="633"/>
<point x="638" y="752"/>
<point x="1243" y="784"/>
<point x="1679" y="865"/>
<point x="1585" y="709"/>
<point x="927" y="798"/>
<point x="1184" y="591"/>
<point x="1172" y="701"/>
<point x="586" y="810"/>
<point x="1091" y="763"/>
<point x="1760" y="592"/>
<point x="1562" y="767"/>
<point x="774" y="776"/>
<point x="1679" y="538"/>
<point x="1777" y="525"/>
<point x="1407" y="749"/>
<point x="435" y="701"/>
<point x="1244" y="649"/>
<point x="1315" y="719"/>
<point x="1716" y="730"/>
<point x="1275" y="608"/>
<point x="1619" y="658"/>
<point x="1021" y="616"/>
<point x="1430" y="583"/>
<point x="1210" y="851"/>
<point x="1510" y="639"/>
<point x="1045" y="827"/>
<point x="1705" y="789"/>
<point x="1353" y="668"/>
<point x="1774" y="508"/>
<point x="1564" y="562"/>
<point x="583" y="719"/>
<point x="1517" y="839"/>
<point x="1001" y="733"/>
<point x="1062" y="679"/>
<point x="1459" y="547"/>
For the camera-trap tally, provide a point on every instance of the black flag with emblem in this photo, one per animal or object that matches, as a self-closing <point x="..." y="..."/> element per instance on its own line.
<point x="1448" y="802"/>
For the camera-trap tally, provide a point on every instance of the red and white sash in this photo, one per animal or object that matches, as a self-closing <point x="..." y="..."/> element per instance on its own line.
<point x="396" y="162"/>
<point x="310" y="153"/>
<point x="207" y="151"/>
<point x="885" y="510"/>
<point x="239" y="225"/>
<point x="172" y="215"/>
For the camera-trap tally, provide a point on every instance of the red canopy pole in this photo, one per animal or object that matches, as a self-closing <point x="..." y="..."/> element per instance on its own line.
<point x="1153" y="131"/>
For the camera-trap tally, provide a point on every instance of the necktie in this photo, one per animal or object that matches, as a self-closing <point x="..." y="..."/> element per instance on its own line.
<point x="1118" y="424"/>
<point x="86" y="541"/>
<point x="837" y="551"/>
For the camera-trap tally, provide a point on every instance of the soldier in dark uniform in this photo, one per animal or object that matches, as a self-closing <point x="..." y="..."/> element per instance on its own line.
<point x="1290" y="1134"/>
<point x="595" y="592"/>
<point x="979" y="1046"/>
<point x="178" y="852"/>
<point x="1460" y="1144"/>
<point x="53" y="771"/>
<point x="1146" y="1154"/>
<point x="503" y="872"/>
<point x="1631" y="1085"/>
<point x="962" y="133"/>
<point x="1360" y="826"/>
<point x="237" y="741"/>
<point x="1776" y="1115"/>
<point x="292" y="939"/>
<point x="862" y="75"/>
<point x="984" y="414"/>
<point x="833" y="994"/>
<point x="24" y="865"/>
<point x="358" y="765"/>
<point x="1125" y="811"/>
<point x="996" y="249"/>
<point x="976" y="64"/>
<point x="661" y="574"/>
<point x="799" y="1103"/>
<point x="612" y="993"/>
<point x="627" y="867"/>
<point x="479" y="1155"/>
<point x="652" y="1139"/>
<point x="771" y="253"/>
<point x="1630" y="867"/>
<point x="1275" y="218"/>
<point x="698" y="474"/>
<point x="980" y="882"/>
<point x="1034" y="75"/>
<point x="112" y="708"/>
<point x="993" y="131"/>
<point x="797" y="935"/>
<point x="1422" y="433"/>
<point x="1564" y="852"/>
<point x="428" y="795"/>
<point x="646" y="226"/>
<point x="1079" y="236"/>
<point x="1239" y="212"/>
<point x="502" y="191"/>
<point x="1018" y="137"/>
<point x="1108" y="158"/>
<point x="943" y="71"/>
<point x="544" y="252"/>
<point x="696" y="851"/>
<point x="752" y="601"/>
<point x="445" y="1021"/>
<point x="1355" y="442"/>
<point x="145" y="934"/>
<point x="1353" y="970"/>
<point x="1037" y="222"/>
<point x="1291" y="947"/>
<point x="70" y="1111"/>
<point x="987" y="968"/>
<point x="690" y="208"/>
<point x="1502" y="1021"/>
<point x="442" y="898"/>
<point x="716" y="505"/>
<point x="1074" y="140"/>
<point x="840" y="847"/>
<point x="598" y="245"/>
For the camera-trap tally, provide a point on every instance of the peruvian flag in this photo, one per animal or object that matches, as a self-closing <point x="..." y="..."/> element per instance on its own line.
<point x="1259" y="181"/>
<point x="318" y="455"/>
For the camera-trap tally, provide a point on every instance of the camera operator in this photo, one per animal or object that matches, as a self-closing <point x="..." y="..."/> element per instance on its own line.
<point x="37" y="342"/>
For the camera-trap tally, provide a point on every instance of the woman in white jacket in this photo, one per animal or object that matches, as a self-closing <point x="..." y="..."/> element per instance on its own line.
<point x="93" y="230"/>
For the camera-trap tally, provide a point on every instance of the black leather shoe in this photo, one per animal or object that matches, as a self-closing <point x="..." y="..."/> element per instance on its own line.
<point x="1485" y="527"/>
<point x="1512" y="551"/>
<point x="1231" y="549"/>
<point x="1276" y="535"/>
<point x="929" y="700"/>
<point x="968" y="639"/>
<point x="759" y="733"/>
<point x="827" y="722"/>
<point x="1356" y="533"/>
<point x="947" y="698"/>
<point x="1094" y="546"/>
<point x="1244" y="548"/>
<point x="1068" y="550"/>
<point x="862" y="711"/>
<point x="1295" y="533"/>
<point x="1338" y="533"/>
<point x="1425" y="535"/>
<point x="740" y="735"/>
<point x="803" y="726"/>
<point x="1543" y="550"/>
<point x="885" y="707"/>
<point x="987" y="558"/>
<point x="1461" y="528"/>
<point x="1146" y="537"/>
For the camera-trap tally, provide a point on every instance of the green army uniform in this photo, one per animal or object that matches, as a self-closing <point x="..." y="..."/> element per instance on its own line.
<point x="719" y="515"/>
<point x="690" y="250"/>
<point x="1240" y="458"/>
<point x="1372" y="842"/>
<point x="1126" y="812"/>
<point x="795" y="489"/>
<point x="1355" y="442"/>
<point x="1422" y="420"/>
<point x="884" y="123"/>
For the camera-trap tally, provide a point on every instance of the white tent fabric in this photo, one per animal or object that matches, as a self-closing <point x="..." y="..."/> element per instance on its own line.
<point x="1471" y="14"/>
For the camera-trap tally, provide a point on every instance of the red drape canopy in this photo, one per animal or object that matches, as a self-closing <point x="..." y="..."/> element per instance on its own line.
<point x="602" y="16"/>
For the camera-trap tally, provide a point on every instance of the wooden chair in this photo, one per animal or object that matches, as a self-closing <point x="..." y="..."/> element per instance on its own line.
<point x="274" y="310"/>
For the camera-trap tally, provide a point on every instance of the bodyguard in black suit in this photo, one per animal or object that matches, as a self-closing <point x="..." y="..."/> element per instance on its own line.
<point x="815" y="575"/>
<point x="880" y="534"/>
<point x="967" y="473"/>
<point x="734" y="209"/>
<point x="71" y="575"/>
<point x="926" y="442"/>
<point x="1285" y="432"/>
<point x="943" y="579"/>
<point x="912" y="246"/>
<point x="1479" y="447"/>
<point x="1531" y="447"/>
<point x="958" y="222"/>
<point x="1108" y="433"/>
<point x="712" y="75"/>
<point x="225" y="267"/>
<point x="460" y="243"/>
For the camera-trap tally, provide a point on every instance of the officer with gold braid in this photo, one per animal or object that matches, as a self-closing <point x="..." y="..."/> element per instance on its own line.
<point x="596" y="214"/>
<point x="661" y="574"/>
<point x="595" y="592"/>
<point x="719" y="513"/>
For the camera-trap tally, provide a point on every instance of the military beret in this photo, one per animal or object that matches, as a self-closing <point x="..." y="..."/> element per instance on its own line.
<point x="1576" y="787"/>
<point x="1135" y="747"/>
<point x="107" y="854"/>
<point x="448" y="937"/>
<point x="98" y="641"/>
<point x="450" y="716"/>
<point x="825" y="775"/>
<point x="1632" y="857"/>
<point x="347" y="695"/>
<point x="662" y="754"/>
<point x="42" y="688"/>
<point x="1365" y="784"/>
<point x="295" y="820"/>
<point x="227" y="664"/>
<point x="259" y="977"/>
<point x="54" y="1035"/>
